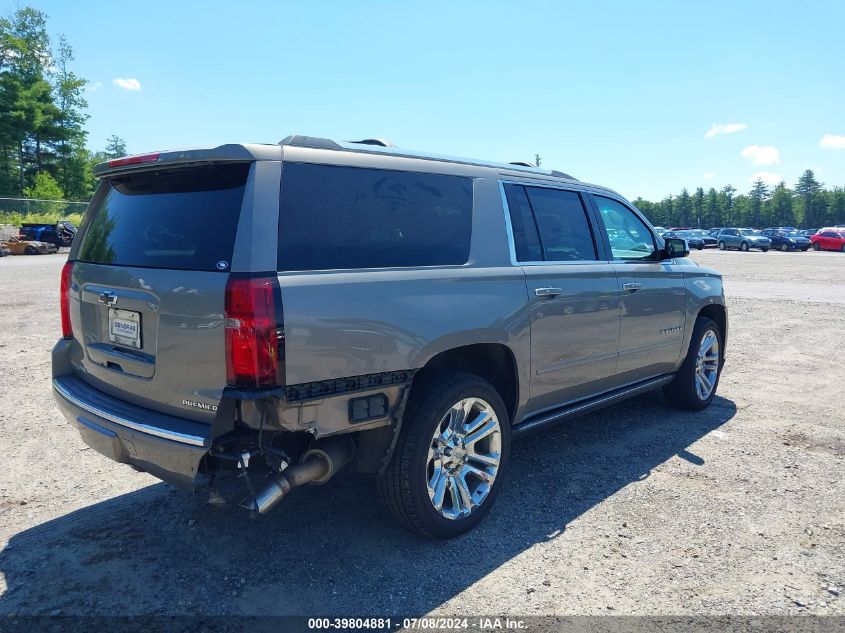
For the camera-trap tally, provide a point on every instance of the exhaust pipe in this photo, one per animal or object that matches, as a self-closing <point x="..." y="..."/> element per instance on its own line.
<point x="318" y="465"/>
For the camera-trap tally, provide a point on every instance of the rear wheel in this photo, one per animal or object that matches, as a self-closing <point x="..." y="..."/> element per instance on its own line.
<point x="743" y="246"/>
<point x="695" y="382"/>
<point x="765" y="249"/>
<point x="448" y="464"/>
<point x="722" y="246"/>
<point x="843" y="248"/>
<point x="784" y="247"/>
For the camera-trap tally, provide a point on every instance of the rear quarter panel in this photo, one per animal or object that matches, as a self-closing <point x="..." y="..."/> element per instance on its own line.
<point x="353" y="322"/>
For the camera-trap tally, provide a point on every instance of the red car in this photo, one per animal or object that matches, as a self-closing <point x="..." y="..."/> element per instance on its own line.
<point x="829" y="240"/>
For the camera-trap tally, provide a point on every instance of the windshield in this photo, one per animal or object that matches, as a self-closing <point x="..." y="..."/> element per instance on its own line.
<point x="747" y="232"/>
<point x="791" y="234"/>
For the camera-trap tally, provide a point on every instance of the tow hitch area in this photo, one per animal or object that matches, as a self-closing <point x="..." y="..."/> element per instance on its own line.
<point x="269" y="473"/>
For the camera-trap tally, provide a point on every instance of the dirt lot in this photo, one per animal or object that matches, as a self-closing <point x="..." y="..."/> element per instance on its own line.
<point x="636" y="509"/>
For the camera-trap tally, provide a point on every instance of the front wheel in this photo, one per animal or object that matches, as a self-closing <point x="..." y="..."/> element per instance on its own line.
<point x="30" y="250"/>
<point x="765" y="249"/>
<point x="743" y="246"/>
<point x="695" y="382"/>
<point x="784" y="247"/>
<point x="449" y="461"/>
<point x="722" y="246"/>
<point x="816" y="246"/>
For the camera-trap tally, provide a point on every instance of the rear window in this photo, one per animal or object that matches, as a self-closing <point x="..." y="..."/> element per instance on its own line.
<point x="184" y="219"/>
<point x="349" y="217"/>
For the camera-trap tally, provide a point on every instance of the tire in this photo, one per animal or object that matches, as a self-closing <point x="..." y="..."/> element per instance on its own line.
<point x="784" y="247"/>
<point x="682" y="392"/>
<point x="701" y="248"/>
<point x="743" y="246"/>
<point x="722" y="246"/>
<point x="765" y="250"/>
<point x="404" y="487"/>
<point x="30" y="250"/>
<point x="842" y="249"/>
<point x="816" y="246"/>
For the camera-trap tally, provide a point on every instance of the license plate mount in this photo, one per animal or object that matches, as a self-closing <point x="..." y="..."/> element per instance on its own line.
<point x="125" y="327"/>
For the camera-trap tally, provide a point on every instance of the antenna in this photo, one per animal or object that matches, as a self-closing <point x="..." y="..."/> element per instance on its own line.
<point x="381" y="142"/>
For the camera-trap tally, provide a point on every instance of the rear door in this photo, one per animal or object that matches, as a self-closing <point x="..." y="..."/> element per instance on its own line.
<point x="151" y="264"/>
<point x="573" y="295"/>
<point x="653" y="295"/>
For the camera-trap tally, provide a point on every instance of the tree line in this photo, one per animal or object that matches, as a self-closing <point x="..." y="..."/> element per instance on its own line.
<point x="43" y="151"/>
<point x="807" y="205"/>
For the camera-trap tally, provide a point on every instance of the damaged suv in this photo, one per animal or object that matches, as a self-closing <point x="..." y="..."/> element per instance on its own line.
<point x="284" y="312"/>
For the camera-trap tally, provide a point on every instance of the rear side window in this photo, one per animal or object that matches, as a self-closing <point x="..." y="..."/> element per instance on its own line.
<point x="525" y="237"/>
<point x="185" y="219"/>
<point x="349" y="217"/>
<point x="562" y="221"/>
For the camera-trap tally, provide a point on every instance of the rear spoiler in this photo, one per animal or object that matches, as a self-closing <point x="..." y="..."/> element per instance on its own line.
<point x="233" y="153"/>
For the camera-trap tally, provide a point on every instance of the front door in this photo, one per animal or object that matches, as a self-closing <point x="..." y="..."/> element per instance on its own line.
<point x="653" y="296"/>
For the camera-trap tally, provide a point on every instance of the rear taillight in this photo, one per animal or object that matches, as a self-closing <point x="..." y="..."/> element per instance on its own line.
<point x="253" y="331"/>
<point x="64" y="298"/>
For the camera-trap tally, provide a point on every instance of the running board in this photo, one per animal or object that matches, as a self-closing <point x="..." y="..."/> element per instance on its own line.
<point x="556" y="416"/>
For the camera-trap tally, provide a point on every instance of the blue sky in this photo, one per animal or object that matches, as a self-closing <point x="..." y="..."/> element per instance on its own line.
<point x="618" y="93"/>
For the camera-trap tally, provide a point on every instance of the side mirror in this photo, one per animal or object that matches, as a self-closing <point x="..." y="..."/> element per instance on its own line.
<point x="676" y="247"/>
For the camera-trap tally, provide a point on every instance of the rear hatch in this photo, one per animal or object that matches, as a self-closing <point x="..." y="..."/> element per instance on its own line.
<point x="151" y="263"/>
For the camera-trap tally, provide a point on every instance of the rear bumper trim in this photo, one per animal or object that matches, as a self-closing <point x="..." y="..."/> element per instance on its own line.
<point x="193" y="440"/>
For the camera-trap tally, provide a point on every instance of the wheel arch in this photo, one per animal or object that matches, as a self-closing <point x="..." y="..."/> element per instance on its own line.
<point x="494" y="362"/>
<point x="717" y="313"/>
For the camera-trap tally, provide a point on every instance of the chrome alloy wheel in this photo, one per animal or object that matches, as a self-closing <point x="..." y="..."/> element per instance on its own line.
<point x="707" y="365"/>
<point x="463" y="458"/>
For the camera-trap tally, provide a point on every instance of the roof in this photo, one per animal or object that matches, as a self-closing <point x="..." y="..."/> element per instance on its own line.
<point x="380" y="146"/>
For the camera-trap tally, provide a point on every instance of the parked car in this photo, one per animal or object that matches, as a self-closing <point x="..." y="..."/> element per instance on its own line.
<point x="404" y="329"/>
<point x="692" y="240"/>
<point x="829" y="240"/>
<point x="19" y="246"/>
<point x="59" y="234"/>
<point x="808" y="233"/>
<point x="714" y="231"/>
<point x="742" y="239"/>
<point x="787" y="240"/>
<point x="709" y="240"/>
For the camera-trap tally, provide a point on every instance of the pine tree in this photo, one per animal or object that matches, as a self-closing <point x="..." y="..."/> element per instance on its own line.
<point x="808" y="189"/>
<point x="758" y="195"/>
<point x="116" y="147"/>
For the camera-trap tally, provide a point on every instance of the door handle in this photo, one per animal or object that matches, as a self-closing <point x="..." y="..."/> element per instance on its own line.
<point x="547" y="292"/>
<point x="631" y="287"/>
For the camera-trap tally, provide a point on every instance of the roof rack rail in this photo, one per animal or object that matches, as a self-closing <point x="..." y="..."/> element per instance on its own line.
<point x="313" y="142"/>
<point x="381" y="142"/>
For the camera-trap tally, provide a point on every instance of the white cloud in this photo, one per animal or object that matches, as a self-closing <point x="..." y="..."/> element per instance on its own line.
<point x="724" y="128"/>
<point x="762" y="154"/>
<point x="766" y="176"/>
<point x="95" y="86"/>
<point x="708" y="175"/>
<point x="130" y="83"/>
<point x="832" y="141"/>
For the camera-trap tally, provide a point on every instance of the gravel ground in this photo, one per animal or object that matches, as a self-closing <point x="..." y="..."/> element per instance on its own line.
<point x="637" y="509"/>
